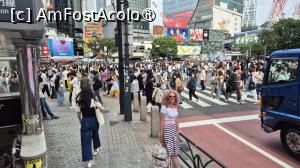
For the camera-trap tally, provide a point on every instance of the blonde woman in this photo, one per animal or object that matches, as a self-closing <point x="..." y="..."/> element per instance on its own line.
<point x="169" y="125"/>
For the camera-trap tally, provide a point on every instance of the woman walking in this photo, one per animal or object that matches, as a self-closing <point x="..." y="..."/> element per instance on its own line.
<point x="169" y="133"/>
<point x="86" y="113"/>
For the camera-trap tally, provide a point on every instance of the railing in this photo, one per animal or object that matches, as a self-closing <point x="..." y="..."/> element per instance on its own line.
<point x="194" y="157"/>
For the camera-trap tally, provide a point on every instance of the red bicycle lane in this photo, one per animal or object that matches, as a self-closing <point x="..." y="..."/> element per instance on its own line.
<point x="239" y="143"/>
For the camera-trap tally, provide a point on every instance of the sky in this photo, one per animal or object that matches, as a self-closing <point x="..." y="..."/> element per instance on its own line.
<point x="263" y="10"/>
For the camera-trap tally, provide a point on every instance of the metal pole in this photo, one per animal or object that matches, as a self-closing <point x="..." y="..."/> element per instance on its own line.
<point x="265" y="50"/>
<point x="121" y="63"/>
<point x="128" y="111"/>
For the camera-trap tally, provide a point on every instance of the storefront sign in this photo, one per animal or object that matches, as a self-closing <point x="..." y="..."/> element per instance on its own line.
<point x="6" y="7"/>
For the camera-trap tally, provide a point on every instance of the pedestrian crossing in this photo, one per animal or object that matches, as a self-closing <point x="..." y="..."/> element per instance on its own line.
<point x="233" y="95"/>
<point x="206" y="101"/>
<point x="199" y="102"/>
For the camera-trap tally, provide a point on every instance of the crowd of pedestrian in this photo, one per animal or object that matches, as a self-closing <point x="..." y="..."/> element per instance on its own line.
<point x="162" y="83"/>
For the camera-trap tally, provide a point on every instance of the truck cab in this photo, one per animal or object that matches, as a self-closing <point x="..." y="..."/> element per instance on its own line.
<point x="280" y="98"/>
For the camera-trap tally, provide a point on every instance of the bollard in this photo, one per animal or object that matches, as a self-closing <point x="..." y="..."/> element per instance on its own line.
<point x="143" y="108"/>
<point x="155" y="122"/>
<point x="135" y="102"/>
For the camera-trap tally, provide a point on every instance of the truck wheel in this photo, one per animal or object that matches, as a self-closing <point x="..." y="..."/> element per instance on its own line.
<point x="290" y="139"/>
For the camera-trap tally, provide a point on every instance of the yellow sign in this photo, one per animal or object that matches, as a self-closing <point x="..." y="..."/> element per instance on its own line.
<point x="188" y="50"/>
<point x="36" y="163"/>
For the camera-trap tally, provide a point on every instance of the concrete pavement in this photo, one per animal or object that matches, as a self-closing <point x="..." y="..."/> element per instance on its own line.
<point x="124" y="144"/>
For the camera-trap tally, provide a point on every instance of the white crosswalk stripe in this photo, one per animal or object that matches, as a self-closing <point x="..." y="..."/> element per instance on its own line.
<point x="200" y="103"/>
<point x="186" y="106"/>
<point x="219" y="102"/>
<point x="223" y="97"/>
<point x="234" y="95"/>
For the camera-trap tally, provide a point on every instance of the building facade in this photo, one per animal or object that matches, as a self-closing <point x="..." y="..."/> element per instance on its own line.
<point x="224" y="15"/>
<point x="177" y="13"/>
<point x="249" y="14"/>
<point x="140" y="29"/>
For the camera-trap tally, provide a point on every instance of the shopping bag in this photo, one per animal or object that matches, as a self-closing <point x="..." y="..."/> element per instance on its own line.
<point x="100" y="117"/>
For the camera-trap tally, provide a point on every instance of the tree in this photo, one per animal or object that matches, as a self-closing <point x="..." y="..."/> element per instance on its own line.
<point x="96" y="45"/>
<point x="164" y="47"/>
<point x="257" y="50"/>
<point x="284" y="34"/>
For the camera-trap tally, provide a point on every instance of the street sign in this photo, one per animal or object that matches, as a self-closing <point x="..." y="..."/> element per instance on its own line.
<point x="19" y="5"/>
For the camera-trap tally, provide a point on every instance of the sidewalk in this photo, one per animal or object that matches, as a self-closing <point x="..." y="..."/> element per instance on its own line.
<point x="124" y="144"/>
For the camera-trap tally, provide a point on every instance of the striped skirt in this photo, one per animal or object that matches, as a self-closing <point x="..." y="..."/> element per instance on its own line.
<point x="171" y="138"/>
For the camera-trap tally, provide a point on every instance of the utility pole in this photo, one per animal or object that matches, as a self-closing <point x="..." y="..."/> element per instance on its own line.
<point x="265" y="52"/>
<point x="121" y="62"/>
<point x="127" y="95"/>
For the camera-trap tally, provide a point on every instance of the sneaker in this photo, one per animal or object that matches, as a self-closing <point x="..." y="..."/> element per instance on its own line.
<point x="241" y="102"/>
<point x="55" y="117"/>
<point x="96" y="151"/>
<point x="226" y="101"/>
<point x="180" y="102"/>
<point x="197" y="100"/>
<point x="89" y="164"/>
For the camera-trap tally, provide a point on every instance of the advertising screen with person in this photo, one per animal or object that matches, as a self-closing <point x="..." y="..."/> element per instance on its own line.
<point x="178" y="34"/>
<point x="196" y="34"/>
<point x="61" y="46"/>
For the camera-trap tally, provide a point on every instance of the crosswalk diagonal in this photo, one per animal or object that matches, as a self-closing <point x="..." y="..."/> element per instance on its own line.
<point x="200" y="103"/>
<point x="223" y="97"/>
<point x="219" y="102"/>
<point x="234" y="95"/>
<point x="186" y="105"/>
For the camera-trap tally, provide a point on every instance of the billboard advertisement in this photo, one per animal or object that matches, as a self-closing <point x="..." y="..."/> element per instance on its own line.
<point x="61" y="46"/>
<point x="227" y="21"/>
<point x="179" y="34"/>
<point x="179" y="20"/>
<point x="196" y="34"/>
<point x="188" y="50"/>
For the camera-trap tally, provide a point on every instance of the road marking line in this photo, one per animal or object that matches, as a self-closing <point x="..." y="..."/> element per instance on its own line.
<point x="185" y="105"/>
<point x="223" y="97"/>
<point x="218" y="121"/>
<point x="210" y="98"/>
<point x="200" y="103"/>
<point x="257" y="149"/>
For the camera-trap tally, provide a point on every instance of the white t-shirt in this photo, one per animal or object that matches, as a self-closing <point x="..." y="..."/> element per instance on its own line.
<point x="75" y="83"/>
<point x="44" y="77"/>
<point x="170" y="113"/>
<point x="65" y="75"/>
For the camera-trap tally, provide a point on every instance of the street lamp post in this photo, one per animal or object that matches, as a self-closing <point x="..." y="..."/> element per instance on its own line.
<point x="120" y="55"/>
<point x="127" y="95"/>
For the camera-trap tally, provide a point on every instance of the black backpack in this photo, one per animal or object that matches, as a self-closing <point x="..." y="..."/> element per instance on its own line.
<point x="189" y="84"/>
<point x="252" y="85"/>
<point x="173" y="84"/>
<point x="98" y="84"/>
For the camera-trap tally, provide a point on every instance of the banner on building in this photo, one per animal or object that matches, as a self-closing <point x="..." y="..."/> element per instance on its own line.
<point x="179" y="34"/>
<point x="196" y="34"/>
<point x="188" y="50"/>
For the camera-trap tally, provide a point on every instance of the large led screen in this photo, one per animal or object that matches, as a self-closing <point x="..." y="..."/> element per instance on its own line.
<point x="61" y="47"/>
